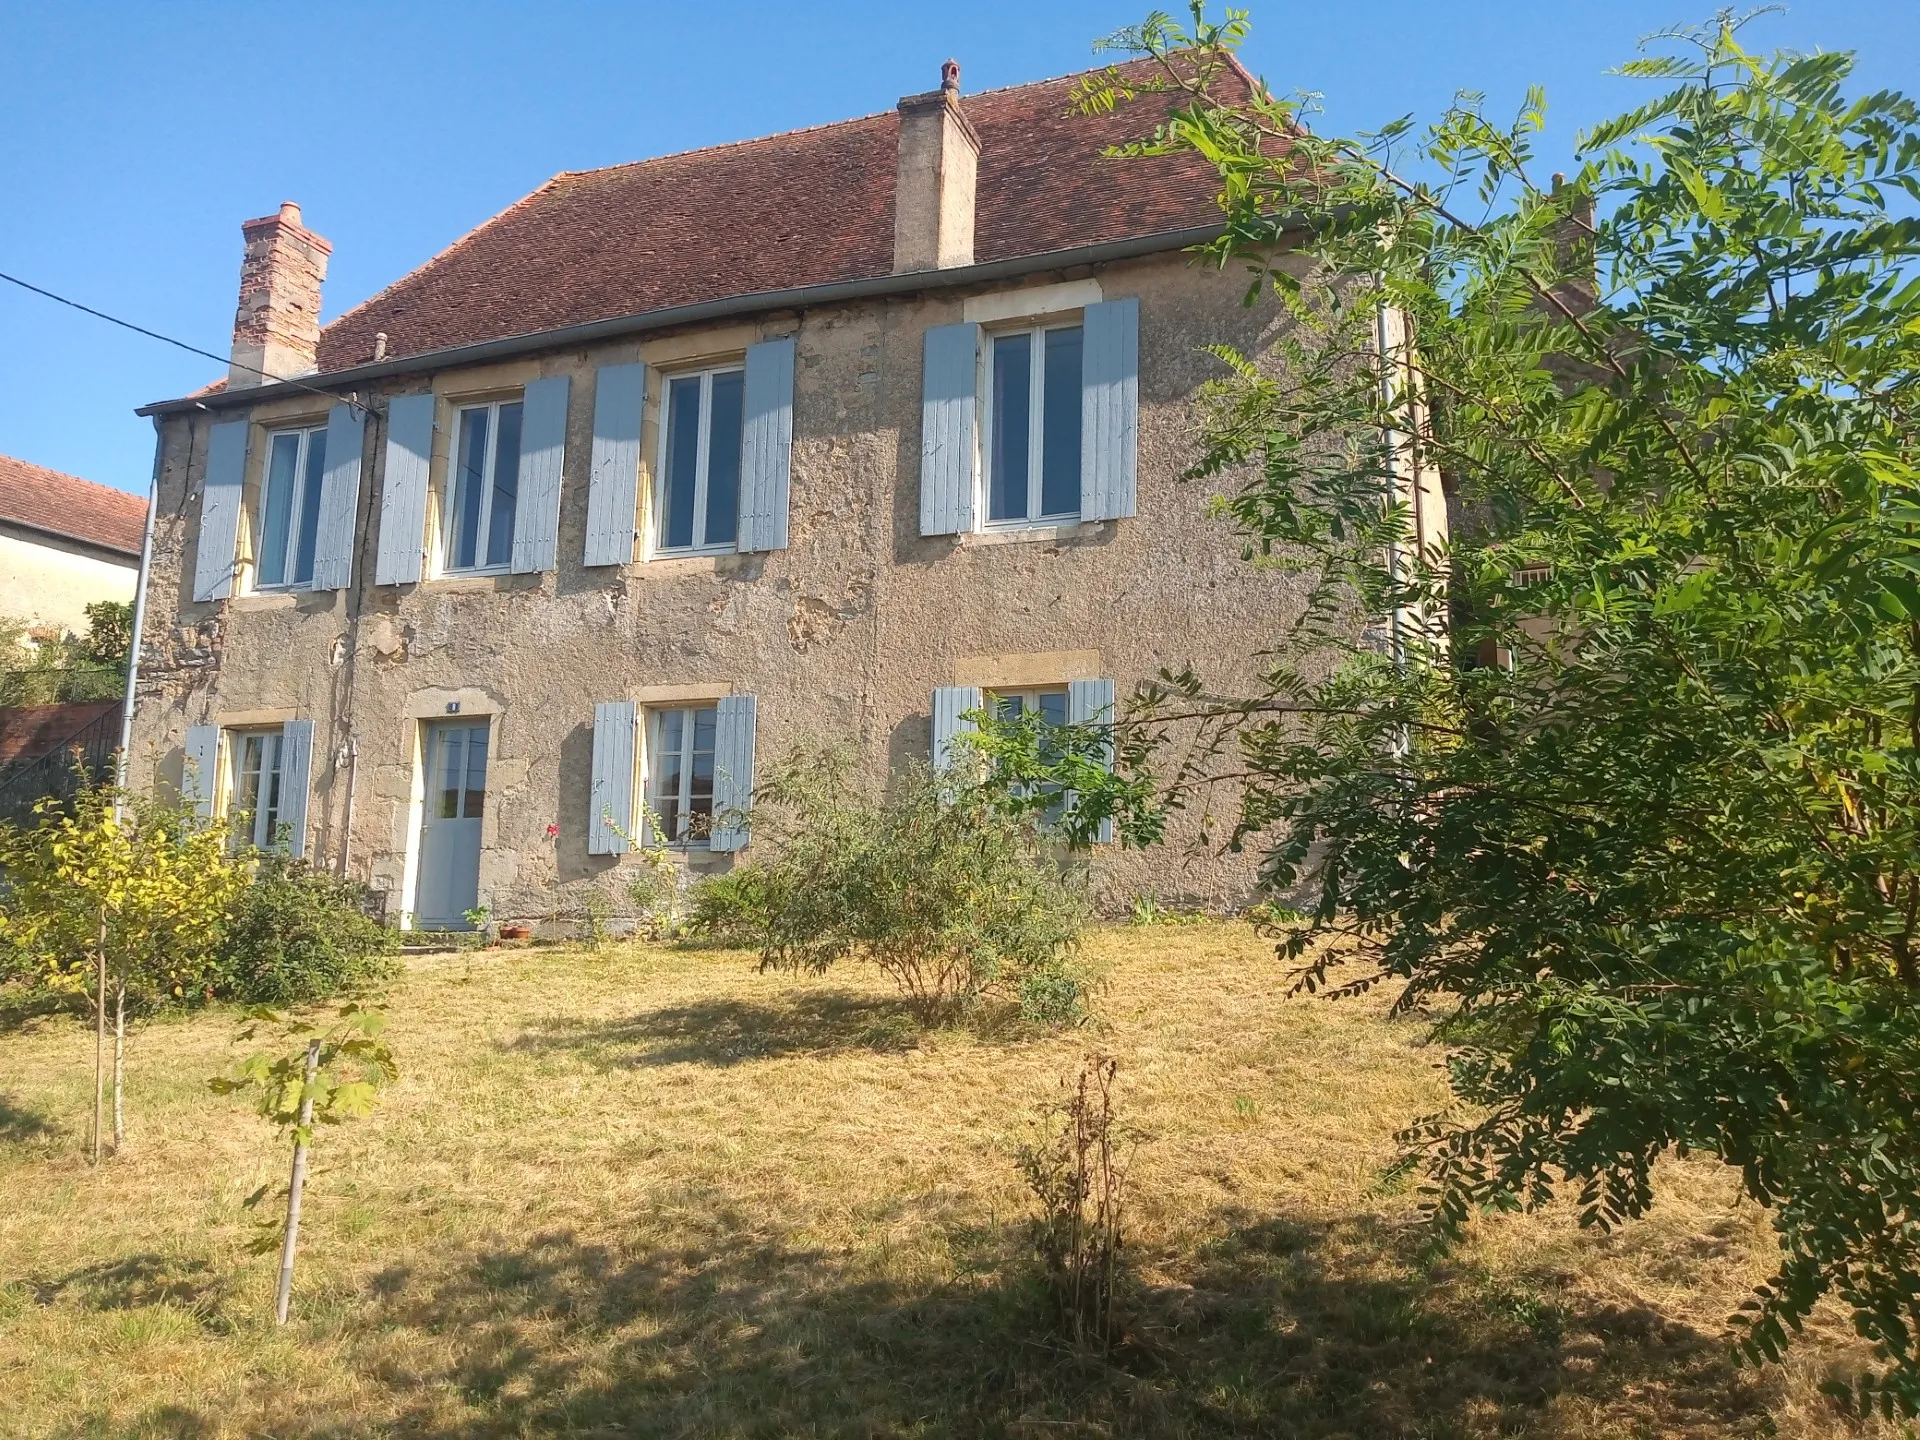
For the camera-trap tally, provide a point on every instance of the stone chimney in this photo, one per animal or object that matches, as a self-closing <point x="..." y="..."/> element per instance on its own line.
<point x="933" y="192"/>
<point x="277" y="327"/>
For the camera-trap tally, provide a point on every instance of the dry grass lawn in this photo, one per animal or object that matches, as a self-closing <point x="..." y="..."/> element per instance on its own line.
<point x="651" y="1192"/>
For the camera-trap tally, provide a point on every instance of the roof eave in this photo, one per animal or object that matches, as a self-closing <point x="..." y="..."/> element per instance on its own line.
<point x="802" y="297"/>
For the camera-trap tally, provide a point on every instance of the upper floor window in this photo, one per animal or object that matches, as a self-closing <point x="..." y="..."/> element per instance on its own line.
<point x="290" y="509"/>
<point x="483" y="487"/>
<point x="700" y="452"/>
<point x="680" y="746"/>
<point x="1033" y="425"/>
<point x="255" y="787"/>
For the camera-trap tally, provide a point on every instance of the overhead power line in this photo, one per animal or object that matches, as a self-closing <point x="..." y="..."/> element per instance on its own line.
<point x="164" y="339"/>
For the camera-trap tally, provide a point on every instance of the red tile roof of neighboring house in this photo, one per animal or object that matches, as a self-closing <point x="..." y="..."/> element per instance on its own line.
<point x="804" y="208"/>
<point x="67" y="505"/>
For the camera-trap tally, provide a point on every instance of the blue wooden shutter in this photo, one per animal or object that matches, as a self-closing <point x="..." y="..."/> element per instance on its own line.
<point x="1090" y="702"/>
<point x="218" y="553"/>
<point x="339" y="498"/>
<point x="948" y="399"/>
<point x="200" y="772"/>
<point x="296" y="768"/>
<point x="950" y="706"/>
<point x="610" y="819"/>
<point x="732" y="771"/>
<point x="403" y="490"/>
<point x="1109" y="409"/>
<point x="613" y="479"/>
<point x="543" y="449"/>
<point x="766" y="461"/>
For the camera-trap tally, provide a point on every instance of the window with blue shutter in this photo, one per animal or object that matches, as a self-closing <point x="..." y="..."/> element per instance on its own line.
<point x="1110" y="410"/>
<point x="702" y="446"/>
<point x="543" y="450"/>
<point x="610" y="819"/>
<point x="1090" y="702"/>
<point x="218" y="551"/>
<point x="734" y="721"/>
<point x="951" y="705"/>
<point x="613" y="480"/>
<point x="338" y="511"/>
<point x="766" y="465"/>
<point x="403" y="490"/>
<point x="200" y="768"/>
<point x="950" y="382"/>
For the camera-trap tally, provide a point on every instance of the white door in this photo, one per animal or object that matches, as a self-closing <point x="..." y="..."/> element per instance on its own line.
<point x="450" y="827"/>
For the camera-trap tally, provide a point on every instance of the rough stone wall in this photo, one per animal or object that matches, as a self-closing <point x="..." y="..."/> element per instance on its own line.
<point x="843" y="635"/>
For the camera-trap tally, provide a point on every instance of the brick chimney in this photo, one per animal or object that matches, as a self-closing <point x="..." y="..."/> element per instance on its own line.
<point x="277" y="327"/>
<point x="933" y="192"/>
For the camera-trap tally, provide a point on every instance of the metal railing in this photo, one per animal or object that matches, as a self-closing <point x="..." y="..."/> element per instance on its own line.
<point x="81" y="760"/>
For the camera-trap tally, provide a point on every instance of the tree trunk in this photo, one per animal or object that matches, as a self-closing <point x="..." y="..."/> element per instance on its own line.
<point x="119" y="1066"/>
<point x="294" y="1187"/>
<point x="99" y="1037"/>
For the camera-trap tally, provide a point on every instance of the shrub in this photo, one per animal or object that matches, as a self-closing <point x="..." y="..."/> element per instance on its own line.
<point x="1079" y="1190"/>
<point x="951" y="896"/>
<point x="298" y="934"/>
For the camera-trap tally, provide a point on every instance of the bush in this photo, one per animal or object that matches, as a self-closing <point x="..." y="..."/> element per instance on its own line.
<point x="298" y="934"/>
<point x="949" y="894"/>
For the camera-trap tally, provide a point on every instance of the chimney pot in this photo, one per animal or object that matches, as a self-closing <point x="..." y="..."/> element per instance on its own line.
<point x="380" y="345"/>
<point x="276" y="326"/>
<point x="937" y="166"/>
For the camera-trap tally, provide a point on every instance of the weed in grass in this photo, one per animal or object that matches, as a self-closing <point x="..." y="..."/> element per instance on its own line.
<point x="1079" y="1189"/>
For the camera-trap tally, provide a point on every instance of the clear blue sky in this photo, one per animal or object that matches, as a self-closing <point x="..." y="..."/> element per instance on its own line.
<point x="135" y="138"/>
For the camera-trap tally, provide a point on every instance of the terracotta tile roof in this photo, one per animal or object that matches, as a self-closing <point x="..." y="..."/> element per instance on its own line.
<point x="808" y="207"/>
<point x="67" y="505"/>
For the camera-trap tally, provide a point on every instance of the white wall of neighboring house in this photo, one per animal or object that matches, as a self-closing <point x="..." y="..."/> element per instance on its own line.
<point x="49" y="582"/>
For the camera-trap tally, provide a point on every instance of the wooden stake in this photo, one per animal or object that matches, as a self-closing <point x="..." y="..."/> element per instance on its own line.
<point x="119" y="1066"/>
<point x="296" y="1185"/>
<point x="99" y="1036"/>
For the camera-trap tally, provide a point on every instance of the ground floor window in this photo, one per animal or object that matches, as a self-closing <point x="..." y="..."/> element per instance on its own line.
<point x="254" y="791"/>
<point x="680" y="744"/>
<point x="1051" y="707"/>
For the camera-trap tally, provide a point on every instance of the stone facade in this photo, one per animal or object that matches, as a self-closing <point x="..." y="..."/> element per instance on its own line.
<point x="842" y="635"/>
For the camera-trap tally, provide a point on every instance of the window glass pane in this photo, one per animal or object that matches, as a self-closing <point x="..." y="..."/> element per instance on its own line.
<point x="506" y="486"/>
<point x="452" y="745"/>
<point x="309" y="508"/>
<point x="468" y="489"/>
<point x="246" y="781"/>
<point x="1007" y="707"/>
<point x="683" y="455"/>
<point x="1053" y="707"/>
<point x="267" y="822"/>
<point x="476" y="797"/>
<point x="700" y="777"/>
<point x="1012" y="398"/>
<point x="723" y="458"/>
<point x="1060" y="430"/>
<point x="671" y="736"/>
<point x="276" y="508"/>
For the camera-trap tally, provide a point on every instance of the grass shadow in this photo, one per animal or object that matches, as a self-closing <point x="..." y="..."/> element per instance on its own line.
<point x="18" y="1123"/>
<point x="1276" y="1329"/>
<point x="732" y="1032"/>
<point x="135" y="1282"/>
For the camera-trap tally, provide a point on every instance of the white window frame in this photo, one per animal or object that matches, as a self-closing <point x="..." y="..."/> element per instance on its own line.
<point x="654" y="754"/>
<point x="444" y="550"/>
<point x="657" y="530"/>
<point x="1036" y="423"/>
<point x="235" y="742"/>
<point x="304" y="449"/>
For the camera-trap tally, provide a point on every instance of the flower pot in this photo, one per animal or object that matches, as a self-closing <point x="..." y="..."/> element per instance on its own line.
<point x="514" y="932"/>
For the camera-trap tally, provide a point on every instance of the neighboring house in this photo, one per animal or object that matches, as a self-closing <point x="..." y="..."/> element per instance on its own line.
<point x="670" y="465"/>
<point x="64" y="544"/>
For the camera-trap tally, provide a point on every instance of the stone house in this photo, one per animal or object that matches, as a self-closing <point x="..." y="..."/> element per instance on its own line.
<point x="836" y="434"/>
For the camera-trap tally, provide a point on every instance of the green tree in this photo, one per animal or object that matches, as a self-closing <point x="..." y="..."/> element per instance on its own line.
<point x="122" y="897"/>
<point x="328" y="1077"/>
<point x="1640" y="823"/>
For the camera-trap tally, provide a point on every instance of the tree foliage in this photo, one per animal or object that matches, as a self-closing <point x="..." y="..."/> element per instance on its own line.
<point x="1623" y="784"/>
